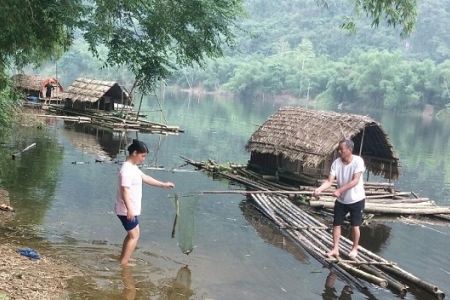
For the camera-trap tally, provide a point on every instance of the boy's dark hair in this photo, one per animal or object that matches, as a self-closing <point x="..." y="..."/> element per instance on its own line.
<point x="138" y="146"/>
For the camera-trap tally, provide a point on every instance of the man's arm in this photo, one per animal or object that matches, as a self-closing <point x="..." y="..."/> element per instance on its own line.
<point x="326" y="184"/>
<point x="349" y="185"/>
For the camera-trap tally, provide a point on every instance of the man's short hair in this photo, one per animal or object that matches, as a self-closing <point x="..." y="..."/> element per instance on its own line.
<point x="348" y="143"/>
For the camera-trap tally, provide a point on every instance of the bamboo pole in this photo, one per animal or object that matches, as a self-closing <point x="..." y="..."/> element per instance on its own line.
<point x="258" y="192"/>
<point x="78" y="118"/>
<point x="26" y="149"/>
<point x="358" y="262"/>
<point x="369" y="204"/>
<point x="369" y="277"/>
<point x="415" y="280"/>
<point x="391" y="208"/>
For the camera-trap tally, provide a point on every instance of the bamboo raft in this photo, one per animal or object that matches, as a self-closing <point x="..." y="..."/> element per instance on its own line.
<point x="317" y="239"/>
<point x="126" y="122"/>
<point x="381" y="197"/>
<point x="274" y="200"/>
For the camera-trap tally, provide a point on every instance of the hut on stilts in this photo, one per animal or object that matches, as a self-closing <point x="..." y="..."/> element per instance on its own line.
<point x="108" y="104"/>
<point x="33" y="86"/>
<point x="91" y="94"/>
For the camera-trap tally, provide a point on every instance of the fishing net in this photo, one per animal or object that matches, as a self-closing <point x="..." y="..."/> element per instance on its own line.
<point x="185" y="211"/>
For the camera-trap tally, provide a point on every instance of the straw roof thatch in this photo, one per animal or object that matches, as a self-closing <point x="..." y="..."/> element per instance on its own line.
<point x="91" y="90"/>
<point x="33" y="82"/>
<point x="310" y="136"/>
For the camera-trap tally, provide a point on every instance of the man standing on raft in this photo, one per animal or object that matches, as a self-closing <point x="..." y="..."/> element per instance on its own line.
<point x="350" y="193"/>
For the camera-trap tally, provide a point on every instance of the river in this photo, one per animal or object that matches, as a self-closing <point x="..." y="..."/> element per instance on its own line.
<point x="64" y="200"/>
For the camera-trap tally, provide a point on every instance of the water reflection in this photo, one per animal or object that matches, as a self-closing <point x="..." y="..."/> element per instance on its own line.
<point x="269" y="232"/>
<point x="89" y="138"/>
<point x="330" y="292"/>
<point x="178" y="288"/>
<point x="374" y="236"/>
<point x="129" y="290"/>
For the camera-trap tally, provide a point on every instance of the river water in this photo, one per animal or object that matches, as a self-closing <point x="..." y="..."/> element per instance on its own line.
<point x="64" y="201"/>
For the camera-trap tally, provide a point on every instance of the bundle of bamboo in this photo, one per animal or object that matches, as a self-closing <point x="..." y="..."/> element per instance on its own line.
<point x="314" y="237"/>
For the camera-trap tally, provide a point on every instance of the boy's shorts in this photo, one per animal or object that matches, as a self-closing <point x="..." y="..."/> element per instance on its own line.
<point x="127" y="224"/>
<point x="355" y="209"/>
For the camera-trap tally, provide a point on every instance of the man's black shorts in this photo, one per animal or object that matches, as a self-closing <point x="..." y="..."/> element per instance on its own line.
<point x="355" y="209"/>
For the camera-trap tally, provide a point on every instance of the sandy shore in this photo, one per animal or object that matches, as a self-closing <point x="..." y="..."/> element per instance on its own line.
<point x="25" y="278"/>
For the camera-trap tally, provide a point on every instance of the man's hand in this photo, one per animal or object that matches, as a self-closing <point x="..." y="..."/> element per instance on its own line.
<point x="337" y="193"/>
<point x="317" y="192"/>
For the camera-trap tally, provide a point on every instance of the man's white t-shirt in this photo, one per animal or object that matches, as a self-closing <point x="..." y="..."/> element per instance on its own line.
<point x="129" y="176"/>
<point x="344" y="174"/>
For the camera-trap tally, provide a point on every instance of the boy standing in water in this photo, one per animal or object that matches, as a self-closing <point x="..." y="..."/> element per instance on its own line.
<point x="129" y="196"/>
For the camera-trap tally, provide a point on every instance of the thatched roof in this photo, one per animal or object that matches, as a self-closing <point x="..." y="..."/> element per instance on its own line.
<point x="310" y="136"/>
<point x="91" y="90"/>
<point x="34" y="83"/>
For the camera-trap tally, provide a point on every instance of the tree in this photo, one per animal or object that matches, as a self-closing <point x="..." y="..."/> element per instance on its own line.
<point x="395" y="12"/>
<point x="154" y="38"/>
<point x="151" y="37"/>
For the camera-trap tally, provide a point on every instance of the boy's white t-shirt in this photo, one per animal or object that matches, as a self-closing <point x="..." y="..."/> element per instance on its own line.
<point x="344" y="174"/>
<point x="129" y="176"/>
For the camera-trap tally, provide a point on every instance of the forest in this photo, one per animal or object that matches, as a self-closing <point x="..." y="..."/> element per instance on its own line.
<point x="300" y="49"/>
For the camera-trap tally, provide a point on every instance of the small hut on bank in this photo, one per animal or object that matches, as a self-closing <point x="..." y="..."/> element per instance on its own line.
<point x="35" y="85"/>
<point x="296" y="142"/>
<point x="86" y="94"/>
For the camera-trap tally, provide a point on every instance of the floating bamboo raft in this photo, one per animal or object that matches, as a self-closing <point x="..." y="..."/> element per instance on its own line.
<point x="126" y="122"/>
<point x="317" y="240"/>
<point x="273" y="199"/>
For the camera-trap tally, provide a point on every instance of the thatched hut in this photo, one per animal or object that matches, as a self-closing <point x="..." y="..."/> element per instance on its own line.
<point x="95" y="94"/>
<point x="34" y="85"/>
<point x="298" y="142"/>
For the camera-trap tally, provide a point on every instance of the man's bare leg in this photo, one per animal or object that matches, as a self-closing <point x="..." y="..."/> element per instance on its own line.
<point x="355" y="237"/>
<point x="129" y="244"/>
<point x="336" y="237"/>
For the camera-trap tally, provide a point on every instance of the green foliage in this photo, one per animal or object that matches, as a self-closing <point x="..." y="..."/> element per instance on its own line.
<point x="284" y="47"/>
<point x="153" y="38"/>
<point x="396" y="13"/>
<point x="8" y="101"/>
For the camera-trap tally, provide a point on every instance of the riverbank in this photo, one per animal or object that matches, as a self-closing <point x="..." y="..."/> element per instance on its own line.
<point x="25" y="278"/>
